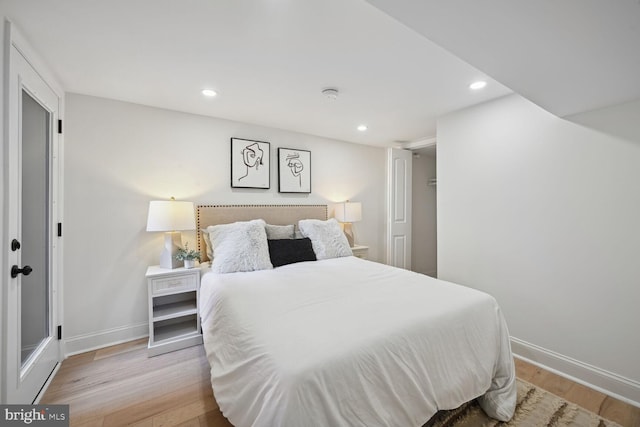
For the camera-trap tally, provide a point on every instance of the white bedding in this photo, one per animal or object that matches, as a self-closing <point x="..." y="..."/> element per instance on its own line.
<point x="348" y="342"/>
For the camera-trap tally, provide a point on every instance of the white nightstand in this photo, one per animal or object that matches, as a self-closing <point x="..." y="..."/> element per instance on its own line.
<point x="360" y="251"/>
<point x="174" y="322"/>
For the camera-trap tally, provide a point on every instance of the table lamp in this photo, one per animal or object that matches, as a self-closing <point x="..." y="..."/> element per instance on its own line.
<point x="348" y="213"/>
<point x="172" y="217"/>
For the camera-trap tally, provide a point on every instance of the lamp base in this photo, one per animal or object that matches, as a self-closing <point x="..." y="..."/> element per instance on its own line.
<point x="172" y="242"/>
<point x="348" y="231"/>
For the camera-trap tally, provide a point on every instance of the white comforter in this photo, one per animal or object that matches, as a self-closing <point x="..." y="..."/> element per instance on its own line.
<point x="348" y="342"/>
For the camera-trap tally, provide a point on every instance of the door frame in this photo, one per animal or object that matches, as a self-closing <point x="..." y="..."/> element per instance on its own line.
<point x="13" y="39"/>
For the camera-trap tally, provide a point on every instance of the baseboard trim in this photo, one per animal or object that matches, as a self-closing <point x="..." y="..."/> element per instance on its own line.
<point x="93" y="341"/>
<point x="606" y="382"/>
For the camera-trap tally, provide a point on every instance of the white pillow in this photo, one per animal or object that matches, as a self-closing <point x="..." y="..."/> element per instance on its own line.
<point x="241" y="246"/>
<point x="275" y="232"/>
<point x="327" y="238"/>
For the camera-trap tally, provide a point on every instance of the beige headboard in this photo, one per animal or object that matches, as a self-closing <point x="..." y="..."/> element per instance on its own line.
<point x="207" y="215"/>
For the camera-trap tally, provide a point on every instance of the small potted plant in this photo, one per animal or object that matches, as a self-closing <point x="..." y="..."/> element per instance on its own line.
<point x="189" y="256"/>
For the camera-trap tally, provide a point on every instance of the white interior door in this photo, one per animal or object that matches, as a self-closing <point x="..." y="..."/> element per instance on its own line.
<point x="32" y="346"/>
<point x="399" y="166"/>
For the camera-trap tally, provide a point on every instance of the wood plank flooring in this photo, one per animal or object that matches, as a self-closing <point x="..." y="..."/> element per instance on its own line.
<point x="119" y="385"/>
<point x="594" y="401"/>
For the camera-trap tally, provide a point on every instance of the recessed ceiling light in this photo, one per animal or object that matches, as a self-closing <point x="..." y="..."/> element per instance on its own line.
<point x="209" y="92"/>
<point x="362" y="128"/>
<point x="477" y="85"/>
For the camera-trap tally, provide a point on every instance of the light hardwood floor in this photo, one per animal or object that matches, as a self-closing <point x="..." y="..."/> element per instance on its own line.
<point x="119" y="386"/>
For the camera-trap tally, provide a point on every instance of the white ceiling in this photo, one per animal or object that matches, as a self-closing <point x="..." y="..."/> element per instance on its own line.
<point x="567" y="56"/>
<point x="270" y="59"/>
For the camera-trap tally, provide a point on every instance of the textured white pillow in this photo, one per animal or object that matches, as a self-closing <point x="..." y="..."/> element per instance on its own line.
<point x="327" y="238"/>
<point x="241" y="246"/>
<point x="275" y="232"/>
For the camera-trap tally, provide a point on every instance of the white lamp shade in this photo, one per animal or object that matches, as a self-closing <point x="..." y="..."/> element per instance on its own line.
<point x="170" y="215"/>
<point x="348" y="212"/>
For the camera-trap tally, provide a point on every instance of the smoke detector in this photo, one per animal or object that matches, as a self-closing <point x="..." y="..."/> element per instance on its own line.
<point x="331" y="93"/>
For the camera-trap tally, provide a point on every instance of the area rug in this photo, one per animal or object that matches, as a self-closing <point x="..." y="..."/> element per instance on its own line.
<point x="535" y="408"/>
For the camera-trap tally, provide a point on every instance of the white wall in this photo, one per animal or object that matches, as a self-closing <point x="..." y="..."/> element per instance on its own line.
<point x="423" y="228"/>
<point x="544" y="214"/>
<point x="119" y="156"/>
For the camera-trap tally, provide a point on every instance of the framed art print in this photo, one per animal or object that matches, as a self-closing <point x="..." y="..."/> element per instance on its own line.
<point x="250" y="162"/>
<point x="294" y="171"/>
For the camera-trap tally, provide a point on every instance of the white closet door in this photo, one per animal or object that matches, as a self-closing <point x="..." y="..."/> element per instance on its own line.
<point x="399" y="207"/>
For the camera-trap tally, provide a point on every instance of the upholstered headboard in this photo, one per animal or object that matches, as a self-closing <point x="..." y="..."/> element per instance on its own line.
<point x="272" y="214"/>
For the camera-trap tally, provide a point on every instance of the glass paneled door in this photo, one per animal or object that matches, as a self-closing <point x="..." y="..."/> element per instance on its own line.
<point x="34" y="287"/>
<point x="32" y="350"/>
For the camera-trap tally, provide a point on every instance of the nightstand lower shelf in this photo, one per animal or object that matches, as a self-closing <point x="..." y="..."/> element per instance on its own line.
<point x="168" y="330"/>
<point x="174" y="334"/>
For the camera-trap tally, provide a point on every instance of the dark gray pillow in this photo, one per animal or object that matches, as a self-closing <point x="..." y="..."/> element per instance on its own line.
<point x="289" y="251"/>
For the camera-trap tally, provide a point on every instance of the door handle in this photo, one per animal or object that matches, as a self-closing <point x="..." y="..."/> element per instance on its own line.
<point x="15" y="270"/>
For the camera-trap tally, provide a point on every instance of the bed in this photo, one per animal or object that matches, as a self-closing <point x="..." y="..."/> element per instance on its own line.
<point x="343" y="341"/>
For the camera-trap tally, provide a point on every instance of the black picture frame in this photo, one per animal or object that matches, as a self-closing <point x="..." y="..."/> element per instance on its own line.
<point x="294" y="171"/>
<point x="250" y="164"/>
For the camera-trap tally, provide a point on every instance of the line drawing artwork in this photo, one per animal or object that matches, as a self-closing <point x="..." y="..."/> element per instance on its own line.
<point x="252" y="158"/>
<point x="296" y="166"/>
<point x="250" y="163"/>
<point x="294" y="171"/>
